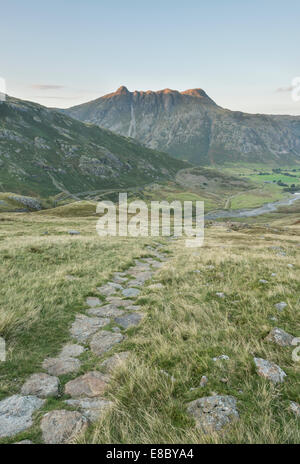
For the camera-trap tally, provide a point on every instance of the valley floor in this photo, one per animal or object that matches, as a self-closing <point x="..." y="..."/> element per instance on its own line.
<point x="218" y="300"/>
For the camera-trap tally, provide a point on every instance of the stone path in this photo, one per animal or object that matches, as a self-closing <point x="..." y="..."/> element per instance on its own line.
<point x="99" y="330"/>
<point x="89" y="331"/>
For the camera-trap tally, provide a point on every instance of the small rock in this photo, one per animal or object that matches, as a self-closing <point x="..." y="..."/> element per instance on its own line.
<point x="109" y="289"/>
<point x="116" y="329"/>
<point x="61" y="366"/>
<point x="62" y="426"/>
<point x="280" y="337"/>
<point x="203" y="381"/>
<point x="91" y="384"/>
<point x="222" y="356"/>
<point x="131" y="292"/>
<point x="273" y="318"/>
<point x="84" y="327"/>
<point x="71" y="278"/>
<point x="73" y="232"/>
<point x="269" y="370"/>
<point x="273" y="274"/>
<point x="41" y="385"/>
<point x="111" y="363"/>
<point x="91" y="408"/>
<point x="133" y="308"/>
<point x="16" y="413"/>
<point x="71" y="351"/>
<point x="220" y="294"/>
<point x="212" y="413"/>
<point x="2" y="350"/>
<point x="263" y="281"/>
<point x="24" y="442"/>
<point x="103" y="341"/>
<point x="280" y="306"/>
<point x="129" y="320"/>
<point x="290" y="265"/>
<point x="295" y="408"/>
<point x="93" y="301"/>
<point x="157" y="286"/>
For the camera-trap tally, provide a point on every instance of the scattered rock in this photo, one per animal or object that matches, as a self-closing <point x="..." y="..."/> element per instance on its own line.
<point x="269" y="370"/>
<point x="212" y="413"/>
<point x="116" y="360"/>
<point x="129" y="320"/>
<point x="263" y="281"/>
<point x="222" y="356"/>
<point x="16" y="414"/>
<point x="290" y="265"/>
<point x="203" y="381"/>
<point x="131" y="292"/>
<point x="71" y="278"/>
<point x="61" y="426"/>
<point x="220" y="294"/>
<point x="73" y="232"/>
<point x="280" y="306"/>
<point x="109" y="310"/>
<point x="280" y="337"/>
<point x="71" y="351"/>
<point x="171" y="377"/>
<point x="2" y="350"/>
<point x="103" y="341"/>
<point x="157" y="286"/>
<point x="61" y="366"/>
<point x="41" y="385"/>
<point x="84" y="327"/>
<point x="93" y="301"/>
<point x="133" y="308"/>
<point x="91" y="408"/>
<point x="295" y="408"/>
<point x="273" y="274"/>
<point x="91" y="384"/>
<point x="24" y="442"/>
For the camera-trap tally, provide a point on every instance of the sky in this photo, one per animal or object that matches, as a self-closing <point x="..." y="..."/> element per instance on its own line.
<point x="244" y="54"/>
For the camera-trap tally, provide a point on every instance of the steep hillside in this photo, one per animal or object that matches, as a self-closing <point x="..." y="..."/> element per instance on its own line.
<point x="190" y="125"/>
<point x="45" y="152"/>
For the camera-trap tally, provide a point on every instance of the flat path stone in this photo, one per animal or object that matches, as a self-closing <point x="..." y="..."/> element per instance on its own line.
<point x="280" y="337"/>
<point x="84" y="327"/>
<point x="71" y="351"/>
<point x="61" y="366"/>
<point x="129" y="320"/>
<point x="119" y="302"/>
<point x="131" y="292"/>
<point x="269" y="370"/>
<point x="92" y="301"/>
<point x="16" y="413"/>
<point x="90" y="384"/>
<point x="109" y="310"/>
<point x="61" y="426"/>
<point x="103" y="341"/>
<point x="111" y="363"/>
<point x="212" y="413"/>
<point x="91" y="408"/>
<point x="41" y="385"/>
<point x="109" y="289"/>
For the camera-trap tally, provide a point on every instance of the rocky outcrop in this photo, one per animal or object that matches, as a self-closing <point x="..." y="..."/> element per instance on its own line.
<point x="190" y="125"/>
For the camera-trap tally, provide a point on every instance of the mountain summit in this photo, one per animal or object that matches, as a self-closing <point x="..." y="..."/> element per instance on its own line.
<point x="190" y="125"/>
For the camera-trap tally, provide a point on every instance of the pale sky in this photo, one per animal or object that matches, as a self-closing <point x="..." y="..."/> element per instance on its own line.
<point x="244" y="54"/>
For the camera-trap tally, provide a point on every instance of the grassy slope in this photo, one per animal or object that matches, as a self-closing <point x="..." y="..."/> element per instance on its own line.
<point x="186" y="325"/>
<point x="44" y="152"/>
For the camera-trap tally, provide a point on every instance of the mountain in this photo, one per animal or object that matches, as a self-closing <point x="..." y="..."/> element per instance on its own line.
<point x="190" y="125"/>
<point x="45" y="152"/>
